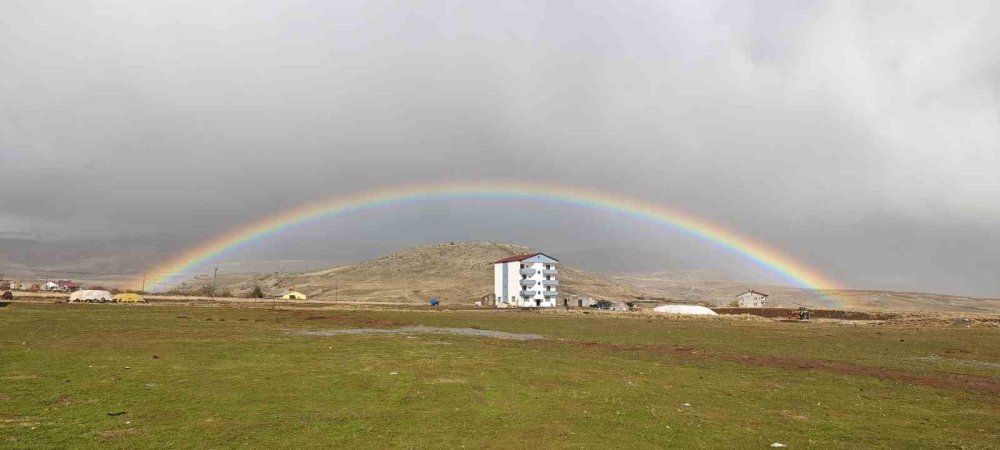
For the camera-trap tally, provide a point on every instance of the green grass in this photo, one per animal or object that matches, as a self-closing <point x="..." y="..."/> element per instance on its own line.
<point x="242" y="380"/>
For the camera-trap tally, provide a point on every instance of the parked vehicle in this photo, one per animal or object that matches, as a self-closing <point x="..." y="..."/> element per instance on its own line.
<point x="603" y="304"/>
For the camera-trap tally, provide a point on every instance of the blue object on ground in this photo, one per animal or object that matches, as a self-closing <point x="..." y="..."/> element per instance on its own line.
<point x="435" y="301"/>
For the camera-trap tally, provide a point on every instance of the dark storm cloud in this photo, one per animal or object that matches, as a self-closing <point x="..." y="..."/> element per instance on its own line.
<point x="811" y="125"/>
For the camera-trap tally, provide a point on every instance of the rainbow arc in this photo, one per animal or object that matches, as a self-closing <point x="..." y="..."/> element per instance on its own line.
<point x="761" y="254"/>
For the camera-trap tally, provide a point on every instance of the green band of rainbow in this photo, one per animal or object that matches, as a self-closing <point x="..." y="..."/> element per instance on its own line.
<point x="757" y="252"/>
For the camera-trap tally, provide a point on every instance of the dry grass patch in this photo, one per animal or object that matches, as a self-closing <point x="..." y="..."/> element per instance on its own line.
<point x="108" y="435"/>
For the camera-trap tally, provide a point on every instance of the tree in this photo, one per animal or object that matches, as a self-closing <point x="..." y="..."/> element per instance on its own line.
<point x="257" y="293"/>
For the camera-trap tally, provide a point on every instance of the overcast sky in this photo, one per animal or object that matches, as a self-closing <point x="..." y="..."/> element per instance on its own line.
<point x="862" y="138"/>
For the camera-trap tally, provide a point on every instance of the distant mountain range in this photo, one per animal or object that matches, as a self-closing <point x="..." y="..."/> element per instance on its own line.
<point x="94" y="262"/>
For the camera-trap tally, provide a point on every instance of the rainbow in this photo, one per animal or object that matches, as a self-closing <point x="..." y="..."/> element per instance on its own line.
<point x="759" y="253"/>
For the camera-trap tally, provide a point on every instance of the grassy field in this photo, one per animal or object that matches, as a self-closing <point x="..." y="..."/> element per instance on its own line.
<point x="229" y="376"/>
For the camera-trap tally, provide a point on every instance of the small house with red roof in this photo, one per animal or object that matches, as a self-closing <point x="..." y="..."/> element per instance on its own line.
<point x="69" y="286"/>
<point x="526" y="281"/>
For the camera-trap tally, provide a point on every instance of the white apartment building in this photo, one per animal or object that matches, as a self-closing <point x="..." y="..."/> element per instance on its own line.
<point x="526" y="281"/>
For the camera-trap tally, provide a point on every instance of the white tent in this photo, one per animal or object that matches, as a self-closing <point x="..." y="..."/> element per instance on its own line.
<point x="685" y="309"/>
<point x="91" y="296"/>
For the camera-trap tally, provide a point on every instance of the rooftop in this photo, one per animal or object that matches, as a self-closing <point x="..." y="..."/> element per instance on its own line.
<point x="520" y="258"/>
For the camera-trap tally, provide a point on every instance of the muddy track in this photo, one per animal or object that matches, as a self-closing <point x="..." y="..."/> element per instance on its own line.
<point x="986" y="384"/>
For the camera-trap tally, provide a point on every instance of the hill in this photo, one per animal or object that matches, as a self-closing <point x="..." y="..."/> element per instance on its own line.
<point x="681" y="288"/>
<point x="462" y="273"/>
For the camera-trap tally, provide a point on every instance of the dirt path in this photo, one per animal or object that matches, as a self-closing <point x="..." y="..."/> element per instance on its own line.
<point x="939" y="380"/>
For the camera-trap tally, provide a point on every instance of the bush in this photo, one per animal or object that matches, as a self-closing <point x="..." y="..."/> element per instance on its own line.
<point x="257" y="293"/>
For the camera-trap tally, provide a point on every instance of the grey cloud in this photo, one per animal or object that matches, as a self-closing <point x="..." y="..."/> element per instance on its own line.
<point x="811" y="125"/>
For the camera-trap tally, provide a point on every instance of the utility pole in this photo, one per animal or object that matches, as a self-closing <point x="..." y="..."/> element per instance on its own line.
<point x="214" y="276"/>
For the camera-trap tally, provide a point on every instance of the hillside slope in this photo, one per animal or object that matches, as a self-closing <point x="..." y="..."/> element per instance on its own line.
<point x="463" y="273"/>
<point x="460" y="272"/>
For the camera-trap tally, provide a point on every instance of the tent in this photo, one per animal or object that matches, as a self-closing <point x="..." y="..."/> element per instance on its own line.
<point x="293" y="295"/>
<point x="91" y="296"/>
<point x="685" y="309"/>
<point x="129" y="297"/>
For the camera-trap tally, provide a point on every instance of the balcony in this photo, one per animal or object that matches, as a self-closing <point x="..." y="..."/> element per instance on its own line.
<point x="528" y="293"/>
<point x="529" y="272"/>
<point x="549" y="271"/>
<point x="550" y="282"/>
<point x="528" y="282"/>
<point x="551" y="293"/>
